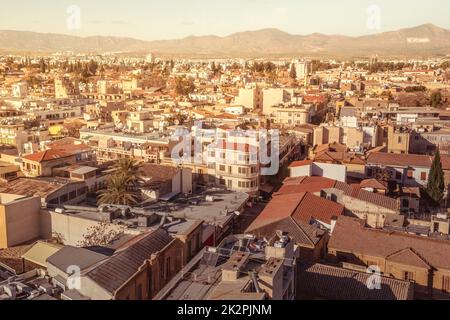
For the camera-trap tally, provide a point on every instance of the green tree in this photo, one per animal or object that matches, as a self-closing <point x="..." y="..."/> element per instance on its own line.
<point x="184" y="86"/>
<point x="436" y="98"/>
<point x="128" y="168"/>
<point x="436" y="185"/>
<point x="42" y="66"/>
<point x="293" y="73"/>
<point x="118" y="191"/>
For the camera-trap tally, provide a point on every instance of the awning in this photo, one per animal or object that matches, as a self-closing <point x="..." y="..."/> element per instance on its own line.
<point x="169" y="196"/>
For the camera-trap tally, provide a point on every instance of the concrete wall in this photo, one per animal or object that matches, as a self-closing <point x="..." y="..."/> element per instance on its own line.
<point x="19" y="221"/>
<point x="70" y="229"/>
<point x="332" y="171"/>
<point x="301" y="171"/>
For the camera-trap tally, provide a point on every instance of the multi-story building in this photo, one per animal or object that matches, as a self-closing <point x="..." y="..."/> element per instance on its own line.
<point x="64" y="88"/>
<point x="251" y="98"/>
<point x="19" y="219"/>
<point x="292" y="115"/>
<point x="421" y="260"/>
<point x="238" y="270"/>
<point x="109" y="145"/>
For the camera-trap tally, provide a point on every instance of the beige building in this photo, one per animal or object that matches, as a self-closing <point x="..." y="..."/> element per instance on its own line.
<point x="292" y="115"/>
<point x="353" y="138"/>
<point x="399" y="255"/>
<point x="250" y="98"/>
<point x="110" y="146"/>
<point x="19" y="219"/>
<point x="140" y="121"/>
<point x="273" y="97"/>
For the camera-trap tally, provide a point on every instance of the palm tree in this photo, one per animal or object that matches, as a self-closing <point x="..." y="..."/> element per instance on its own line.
<point x="128" y="168"/>
<point x="118" y="191"/>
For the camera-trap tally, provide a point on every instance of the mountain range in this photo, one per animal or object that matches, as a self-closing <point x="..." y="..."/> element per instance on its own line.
<point x="424" y="40"/>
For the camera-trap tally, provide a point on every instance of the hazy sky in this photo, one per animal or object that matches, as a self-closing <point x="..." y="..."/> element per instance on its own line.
<point x="167" y="19"/>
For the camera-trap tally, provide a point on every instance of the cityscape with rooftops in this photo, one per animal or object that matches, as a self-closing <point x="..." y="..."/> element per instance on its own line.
<point x="255" y="166"/>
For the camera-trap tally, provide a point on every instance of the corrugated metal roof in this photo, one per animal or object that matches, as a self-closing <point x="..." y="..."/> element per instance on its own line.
<point x="118" y="269"/>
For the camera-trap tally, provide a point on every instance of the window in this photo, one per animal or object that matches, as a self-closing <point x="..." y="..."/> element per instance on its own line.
<point x="399" y="139"/>
<point x="244" y="184"/>
<point x="222" y="168"/>
<point x="405" y="203"/>
<point x="446" y="284"/>
<point x="167" y="267"/>
<point x="150" y="285"/>
<point x="408" y="276"/>
<point x="189" y="246"/>
<point x="198" y="241"/>
<point x="423" y="176"/>
<point x="243" y="170"/>
<point x="230" y="183"/>
<point x="410" y="174"/>
<point x="369" y="172"/>
<point x="398" y="176"/>
<point x="139" y="292"/>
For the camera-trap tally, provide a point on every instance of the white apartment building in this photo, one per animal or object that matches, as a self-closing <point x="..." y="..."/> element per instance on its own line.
<point x="20" y="90"/>
<point x="251" y="98"/>
<point x="303" y="68"/>
<point x="291" y="115"/>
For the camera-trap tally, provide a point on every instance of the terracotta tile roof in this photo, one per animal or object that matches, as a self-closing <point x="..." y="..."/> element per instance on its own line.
<point x="118" y="269"/>
<point x="445" y="161"/>
<point x="30" y="186"/>
<point x="376" y="199"/>
<point x="296" y="210"/>
<point x="226" y="116"/>
<point x="306" y="184"/>
<point x="340" y="157"/>
<point x="47" y="155"/>
<point x="157" y="173"/>
<point x="302" y="233"/>
<point x="279" y="208"/>
<point x="373" y="183"/>
<point x="62" y="148"/>
<point x="317" y="184"/>
<point x="399" y="160"/>
<point x="300" y="163"/>
<point x="350" y="235"/>
<point x="409" y="257"/>
<point x="313" y="207"/>
<point x="329" y="282"/>
<point x="331" y="147"/>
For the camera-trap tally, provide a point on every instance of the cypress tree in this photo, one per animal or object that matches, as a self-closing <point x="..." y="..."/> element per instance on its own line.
<point x="436" y="185"/>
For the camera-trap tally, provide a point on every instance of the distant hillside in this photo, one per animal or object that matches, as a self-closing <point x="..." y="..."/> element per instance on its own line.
<point x="426" y="39"/>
